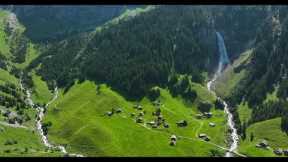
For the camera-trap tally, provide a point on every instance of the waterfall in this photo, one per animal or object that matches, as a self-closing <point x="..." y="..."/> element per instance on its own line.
<point x="224" y="60"/>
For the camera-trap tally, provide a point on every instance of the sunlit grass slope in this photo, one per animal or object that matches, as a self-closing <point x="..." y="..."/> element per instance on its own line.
<point x="28" y="143"/>
<point x="41" y="93"/>
<point x="269" y="130"/>
<point x="78" y="121"/>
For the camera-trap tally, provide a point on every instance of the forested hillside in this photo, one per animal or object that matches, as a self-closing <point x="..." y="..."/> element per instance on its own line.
<point x="133" y="63"/>
<point x="256" y="85"/>
<point x="54" y="22"/>
<point x="108" y="62"/>
<point x="267" y="70"/>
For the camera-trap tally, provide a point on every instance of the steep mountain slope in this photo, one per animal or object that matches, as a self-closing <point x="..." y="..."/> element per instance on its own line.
<point x="260" y="96"/>
<point x="165" y="40"/>
<point x="47" y="23"/>
<point x="239" y="25"/>
<point x="86" y="137"/>
<point x="18" y="135"/>
<point x="133" y="63"/>
<point x="155" y="53"/>
<point x="80" y="122"/>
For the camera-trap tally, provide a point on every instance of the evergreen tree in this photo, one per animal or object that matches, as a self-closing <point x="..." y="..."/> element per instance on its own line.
<point x="251" y="136"/>
<point x="244" y="130"/>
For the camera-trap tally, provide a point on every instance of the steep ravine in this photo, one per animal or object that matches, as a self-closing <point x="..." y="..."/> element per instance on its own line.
<point x="39" y="118"/>
<point x="224" y="60"/>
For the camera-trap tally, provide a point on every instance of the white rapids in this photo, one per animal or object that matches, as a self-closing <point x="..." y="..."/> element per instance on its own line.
<point x="225" y="60"/>
<point x="39" y="119"/>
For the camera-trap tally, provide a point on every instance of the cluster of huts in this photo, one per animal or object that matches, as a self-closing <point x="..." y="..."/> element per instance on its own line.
<point x="117" y="110"/>
<point x="158" y="117"/>
<point x="139" y="117"/>
<point x="11" y="117"/>
<point x="278" y="151"/>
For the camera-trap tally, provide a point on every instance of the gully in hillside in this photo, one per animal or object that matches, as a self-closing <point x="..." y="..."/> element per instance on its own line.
<point x="40" y="115"/>
<point x="224" y="60"/>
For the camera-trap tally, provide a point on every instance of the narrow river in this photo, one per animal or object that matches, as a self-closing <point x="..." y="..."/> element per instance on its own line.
<point x="39" y="118"/>
<point x="211" y="85"/>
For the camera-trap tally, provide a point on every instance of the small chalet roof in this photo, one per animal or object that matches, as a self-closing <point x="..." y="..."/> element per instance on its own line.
<point x="109" y="113"/>
<point x="278" y="151"/>
<point x="182" y="121"/>
<point x="212" y="124"/>
<point x="151" y="122"/>
<point x="202" y="135"/>
<point x="173" y="137"/>
<point x="119" y="109"/>
<point x="264" y="142"/>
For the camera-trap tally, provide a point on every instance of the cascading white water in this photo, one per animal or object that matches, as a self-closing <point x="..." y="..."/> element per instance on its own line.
<point x="223" y="59"/>
<point x="39" y="118"/>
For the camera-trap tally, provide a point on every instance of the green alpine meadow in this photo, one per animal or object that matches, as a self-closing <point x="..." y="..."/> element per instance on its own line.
<point x="143" y="81"/>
